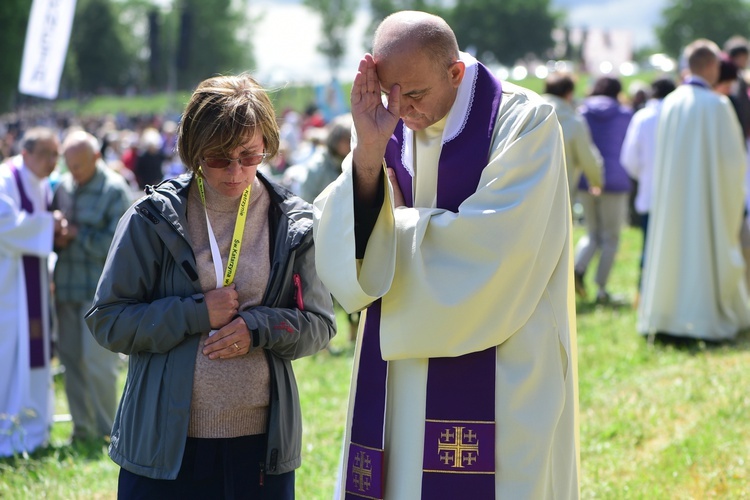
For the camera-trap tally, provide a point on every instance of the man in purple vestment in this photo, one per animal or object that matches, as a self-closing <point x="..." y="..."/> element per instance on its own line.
<point x="27" y="229"/>
<point x="450" y="225"/>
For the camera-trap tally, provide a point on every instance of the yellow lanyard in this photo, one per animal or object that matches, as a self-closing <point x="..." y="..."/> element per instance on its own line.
<point x="239" y="229"/>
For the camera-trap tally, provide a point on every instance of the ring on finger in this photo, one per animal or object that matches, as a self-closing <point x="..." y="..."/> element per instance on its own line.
<point x="236" y="346"/>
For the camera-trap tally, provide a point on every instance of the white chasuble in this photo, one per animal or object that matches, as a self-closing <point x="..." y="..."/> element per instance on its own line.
<point x="495" y="274"/>
<point x="26" y="396"/>
<point x="693" y="277"/>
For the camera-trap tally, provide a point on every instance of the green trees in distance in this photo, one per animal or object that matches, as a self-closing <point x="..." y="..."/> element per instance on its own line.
<point x="213" y="38"/>
<point x="504" y="31"/>
<point x="337" y="16"/>
<point x="497" y="31"/>
<point x="150" y="45"/>
<point x="686" y="20"/>
<point x="145" y="45"/>
<point x="101" y="53"/>
<point x="14" y="16"/>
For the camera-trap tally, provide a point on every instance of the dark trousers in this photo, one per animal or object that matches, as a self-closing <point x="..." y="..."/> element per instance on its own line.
<point x="213" y="468"/>
<point x="644" y="230"/>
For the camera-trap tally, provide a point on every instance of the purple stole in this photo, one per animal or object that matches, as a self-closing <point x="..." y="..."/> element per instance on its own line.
<point x="459" y="441"/>
<point x="696" y="82"/>
<point x="32" y="273"/>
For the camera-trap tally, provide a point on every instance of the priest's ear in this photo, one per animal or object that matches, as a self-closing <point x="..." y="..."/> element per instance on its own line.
<point x="456" y="72"/>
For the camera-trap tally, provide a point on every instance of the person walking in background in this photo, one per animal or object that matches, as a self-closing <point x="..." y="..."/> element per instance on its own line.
<point x="693" y="275"/>
<point x="308" y="179"/>
<point x="738" y="53"/>
<point x="581" y="156"/>
<point x="460" y="253"/>
<point x="149" y="163"/>
<point x="604" y="211"/>
<point x="27" y="232"/>
<point x="732" y="84"/>
<point x="638" y="154"/>
<point x="93" y="198"/>
<point x="210" y="288"/>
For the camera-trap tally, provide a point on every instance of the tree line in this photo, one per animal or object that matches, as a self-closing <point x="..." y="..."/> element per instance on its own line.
<point x="145" y="46"/>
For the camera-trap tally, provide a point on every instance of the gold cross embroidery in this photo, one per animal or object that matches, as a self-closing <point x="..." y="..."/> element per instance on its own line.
<point x="362" y="471"/>
<point x="458" y="448"/>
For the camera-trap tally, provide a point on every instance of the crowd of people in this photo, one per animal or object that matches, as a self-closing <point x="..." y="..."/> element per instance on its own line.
<point x="682" y="158"/>
<point x="209" y="249"/>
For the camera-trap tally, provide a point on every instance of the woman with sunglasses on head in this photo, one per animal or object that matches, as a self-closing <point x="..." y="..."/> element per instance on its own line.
<point x="210" y="288"/>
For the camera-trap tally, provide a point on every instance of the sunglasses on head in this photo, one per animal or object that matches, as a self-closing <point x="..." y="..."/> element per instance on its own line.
<point x="249" y="160"/>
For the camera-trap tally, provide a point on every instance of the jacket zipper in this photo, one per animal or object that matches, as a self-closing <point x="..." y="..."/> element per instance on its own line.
<point x="298" y="291"/>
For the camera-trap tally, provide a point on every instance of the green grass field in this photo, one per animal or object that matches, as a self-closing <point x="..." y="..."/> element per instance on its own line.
<point x="657" y="421"/>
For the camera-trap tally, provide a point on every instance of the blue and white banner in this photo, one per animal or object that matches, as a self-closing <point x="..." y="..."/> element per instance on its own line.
<point x="47" y="37"/>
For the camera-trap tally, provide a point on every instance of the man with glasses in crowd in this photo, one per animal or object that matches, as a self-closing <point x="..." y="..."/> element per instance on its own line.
<point x="27" y="231"/>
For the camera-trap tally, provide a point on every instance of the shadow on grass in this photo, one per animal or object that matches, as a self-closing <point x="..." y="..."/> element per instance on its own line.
<point x="588" y="307"/>
<point x="78" y="450"/>
<point x="696" y="346"/>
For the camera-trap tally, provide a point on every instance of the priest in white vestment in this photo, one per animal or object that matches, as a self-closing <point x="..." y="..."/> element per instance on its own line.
<point x="27" y="230"/>
<point x="693" y="278"/>
<point x="492" y="274"/>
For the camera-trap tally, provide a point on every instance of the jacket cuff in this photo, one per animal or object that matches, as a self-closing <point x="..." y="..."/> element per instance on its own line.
<point x="201" y="313"/>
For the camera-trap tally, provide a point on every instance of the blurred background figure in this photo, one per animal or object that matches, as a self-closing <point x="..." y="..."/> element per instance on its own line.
<point x="290" y="137"/>
<point x="604" y="211"/>
<point x="581" y="156"/>
<point x="737" y="51"/>
<point x="693" y="275"/>
<point x="728" y="73"/>
<point x="27" y="230"/>
<point x="638" y="94"/>
<point x="150" y="159"/>
<point x="93" y="197"/>
<point x="308" y="179"/>
<point x="639" y="152"/>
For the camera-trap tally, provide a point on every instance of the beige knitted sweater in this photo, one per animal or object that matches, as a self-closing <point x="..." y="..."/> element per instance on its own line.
<point x="230" y="396"/>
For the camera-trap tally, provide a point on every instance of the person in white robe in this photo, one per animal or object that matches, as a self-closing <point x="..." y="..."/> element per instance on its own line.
<point x="495" y="274"/>
<point x="693" y="277"/>
<point x="639" y="151"/>
<point x="26" y="393"/>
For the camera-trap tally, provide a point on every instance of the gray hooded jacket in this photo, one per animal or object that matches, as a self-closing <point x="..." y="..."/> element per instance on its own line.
<point x="149" y="305"/>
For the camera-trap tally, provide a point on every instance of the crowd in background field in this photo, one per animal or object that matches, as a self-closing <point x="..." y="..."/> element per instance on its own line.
<point x="618" y="128"/>
<point x="142" y="147"/>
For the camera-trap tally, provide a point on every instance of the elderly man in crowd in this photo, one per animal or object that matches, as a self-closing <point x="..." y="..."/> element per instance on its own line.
<point x="93" y="198"/>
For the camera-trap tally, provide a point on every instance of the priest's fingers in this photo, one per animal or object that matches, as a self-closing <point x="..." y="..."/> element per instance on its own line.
<point x="373" y="84"/>
<point x="359" y="86"/>
<point x="394" y="103"/>
<point x="398" y="197"/>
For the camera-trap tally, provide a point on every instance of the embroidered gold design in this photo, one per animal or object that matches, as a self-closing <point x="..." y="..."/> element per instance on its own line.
<point x="362" y="471"/>
<point x="458" y="448"/>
